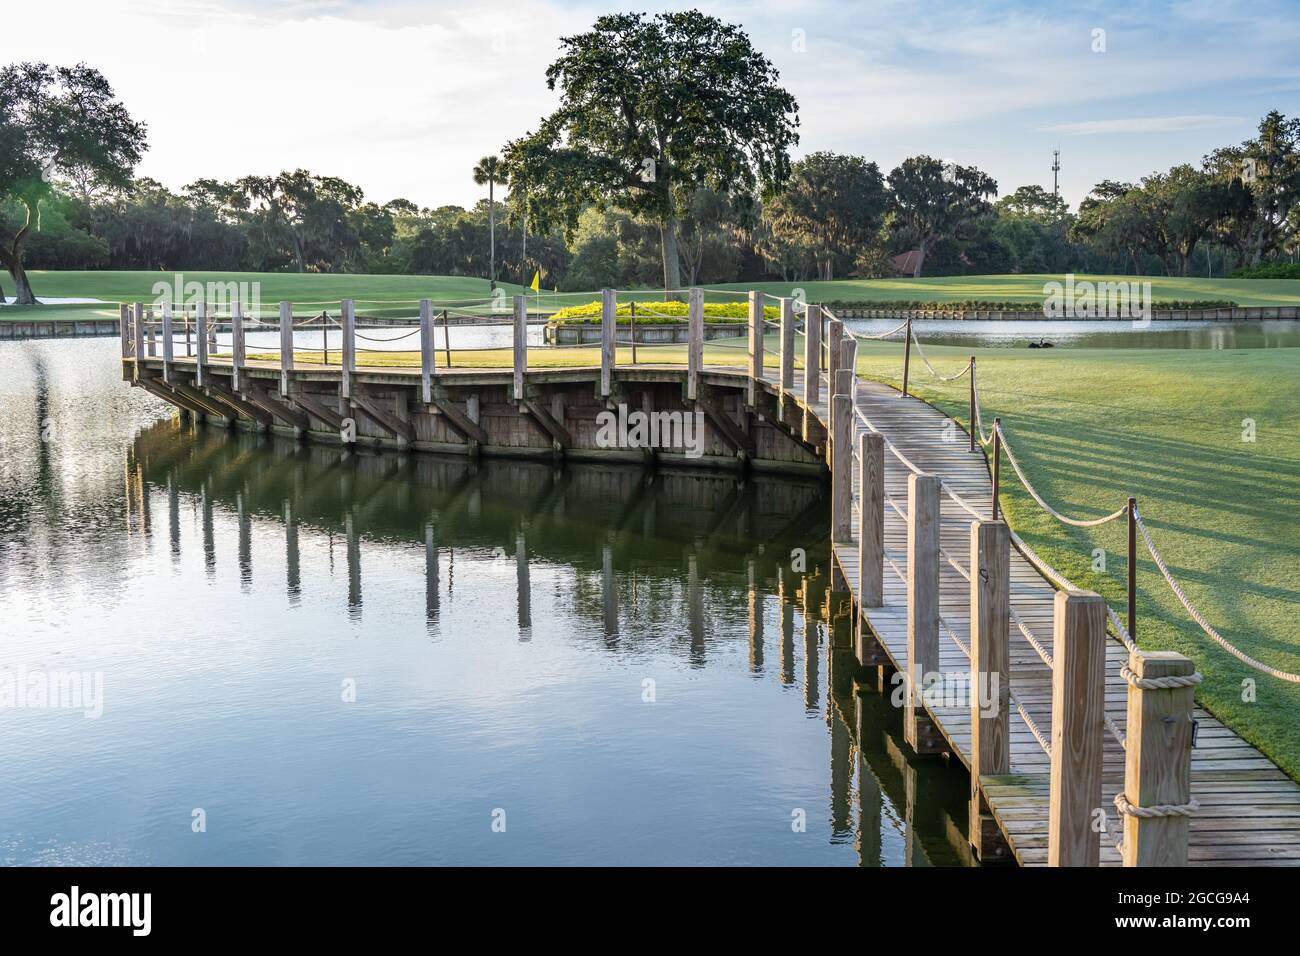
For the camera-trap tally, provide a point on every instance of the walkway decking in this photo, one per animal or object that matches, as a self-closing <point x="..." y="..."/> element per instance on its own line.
<point x="1250" y="810"/>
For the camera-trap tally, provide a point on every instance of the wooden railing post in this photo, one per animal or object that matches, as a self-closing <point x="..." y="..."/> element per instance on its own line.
<point x="812" y="354"/>
<point x="1078" y="722"/>
<point x="841" y="469"/>
<point x="200" y="343"/>
<point x="151" y="334"/>
<point x="608" y="333"/>
<point x="428" y="357"/>
<point x="755" y="344"/>
<point x="137" y="330"/>
<point x="849" y="364"/>
<point x="169" y="351"/>
<point x="834" y="342"/>
<point x="990" y="666"/>
<point x="694" y="343"/>
<point x="521" y="345"/>
<point x="348" y="350"/>
<point x="922" y="597"/>
<point x="124" y="329"/>
<point x="787" y="350"/>
<point x="1158" y="759"/>
<point x="907" y="356"/>
<point x="871" y="519"/>
<point x="236" y="344"/>
<point x="286" y="346"/>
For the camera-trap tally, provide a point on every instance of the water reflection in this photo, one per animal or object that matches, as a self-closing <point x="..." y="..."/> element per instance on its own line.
<point x="608" y="654"/>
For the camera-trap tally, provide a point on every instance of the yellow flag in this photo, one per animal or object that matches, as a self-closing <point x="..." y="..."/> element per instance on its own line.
<point x="537" y="281"/>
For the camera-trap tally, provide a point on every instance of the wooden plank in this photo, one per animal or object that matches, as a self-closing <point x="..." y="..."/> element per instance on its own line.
<point x="1078" y="685"/>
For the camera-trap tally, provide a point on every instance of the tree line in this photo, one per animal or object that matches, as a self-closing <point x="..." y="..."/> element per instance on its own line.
<point x="638" y="179"/>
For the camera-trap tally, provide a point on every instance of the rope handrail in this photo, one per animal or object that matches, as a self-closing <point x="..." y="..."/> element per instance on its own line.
<point x="877" y="336"/>
<point x="1029" y="722"/>
<point x="1033" y="493"/>
<point x="933" y="371"/>
<point x="1199" y="618"/>
<point x="1019" y="622"/>
<point x="953" y="561"/>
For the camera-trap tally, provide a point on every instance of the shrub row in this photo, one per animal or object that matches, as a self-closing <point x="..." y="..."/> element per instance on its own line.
<point x="656" y="313"/>
<point x="1270" y="270"/>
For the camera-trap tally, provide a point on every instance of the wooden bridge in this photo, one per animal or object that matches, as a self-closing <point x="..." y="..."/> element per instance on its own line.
<point x="1082" y="750"/>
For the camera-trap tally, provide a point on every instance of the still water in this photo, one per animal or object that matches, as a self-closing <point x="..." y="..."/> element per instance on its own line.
<point x="1262" y="334"/>
<point x="314" y="657"/>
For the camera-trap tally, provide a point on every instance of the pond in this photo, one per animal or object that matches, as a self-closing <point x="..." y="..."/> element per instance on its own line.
<point x="298" y="655"/>
<point x="1266" y="333"/>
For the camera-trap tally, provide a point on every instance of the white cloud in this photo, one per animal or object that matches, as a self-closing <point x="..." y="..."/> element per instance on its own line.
<point x="1143" y="124"/>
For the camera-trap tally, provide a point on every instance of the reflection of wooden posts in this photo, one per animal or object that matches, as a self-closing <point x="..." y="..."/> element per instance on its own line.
<point x="870" y="799"/>
<point x="922" y="603"/>
<point x="168" y="346"/>
<point x="787" y="354"/>
<point x="608" y="332"/>
<point x="201" y="343"/>
<point x="205" y="522"/>
<point x="785" y="591"/>
<point x="990" y="665"/>
<point x="428" y="358"/>
<point x="695" y="608"/>
<point x="812" y="353"/>
<point x="1158" y="758"/>
<point x="1078" y="712"/>
<point x="841" y="775"/>
<point x="841" y="469"/>
<point x="286" y="346"/>
<point x="523" y="585"/>
<point x="245" y="553"/>
<point x="811" y="612"/>
<point x="755" y="617"/>
<point x="520" y="345"/>
<point x="431" y="599"/>
<point x="609" y="591"/>
<point x="292" y="560"/>
<point x="348" y="347"/>
<point x="236" y="344"/>
<point x="871" y="519"/>
<point x="755" y="345"/>
<point x="694" y="342"/>
<point x="354" y="565"/>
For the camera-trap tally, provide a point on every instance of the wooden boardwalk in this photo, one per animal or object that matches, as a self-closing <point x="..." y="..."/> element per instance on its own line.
<point x="1249" y="810"/>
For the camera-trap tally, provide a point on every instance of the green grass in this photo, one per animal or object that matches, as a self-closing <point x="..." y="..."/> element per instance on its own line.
<point x="372" y="291"/>
<point x="1092" y="426"/>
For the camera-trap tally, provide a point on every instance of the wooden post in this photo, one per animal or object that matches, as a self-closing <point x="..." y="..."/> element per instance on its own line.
<point x="1158" y="760"/>
<point x="990" y="669"/>
<point x="428" y="358"/>
<point x="834" y="341"/>
<point x="755" y="344"/>
<point x="137" y="329"/>
<point x="787" y="349"/>
<point x="151" y="334"/>
<point x="841" y="469"/>
<point x="201" y="343"/>
<point x="812" y="354"/>
<point x="236" y="344"/>
<point x="849" y="363"/>
<point x="907" y="356"/>
<point x="446" y="337"/>
<point x="124" y="329"/>
<point x="348" y="350"/>
<point x="922" y="595"/>
<point x="694" y="343"/>
<point x="286" y="346"/>
<point x="631" y="328"/>
<point x="1078" y="709"/>
<point x="608" y="334"/>
<point x="521" y="345"/>
<point x="871" y="519"/>
<point x="974" y="429"/>
<point x="169" y="350"/>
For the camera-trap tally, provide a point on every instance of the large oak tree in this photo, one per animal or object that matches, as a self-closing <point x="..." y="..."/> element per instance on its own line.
<point x="935" y="200"/>
<point x="652" y="109"/>
<point x="58" y="122"/>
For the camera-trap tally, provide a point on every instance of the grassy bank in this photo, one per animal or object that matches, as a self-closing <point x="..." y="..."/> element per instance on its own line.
<point x="1093" y="426"/>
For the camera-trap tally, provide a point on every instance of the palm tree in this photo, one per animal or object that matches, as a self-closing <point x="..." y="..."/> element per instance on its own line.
<point x="487" y="170"/>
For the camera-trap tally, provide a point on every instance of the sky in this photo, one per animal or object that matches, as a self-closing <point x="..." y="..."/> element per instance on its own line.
<point x="403" y="97"/>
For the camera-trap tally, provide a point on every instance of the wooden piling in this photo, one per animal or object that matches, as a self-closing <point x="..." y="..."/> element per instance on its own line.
<point x="787" y="350"/>
<point x="348" y="350"/>
<point x="834" y="340"/>
<point x="1078" y="709"/>
<point x="428" y="357"/>
<point x="521" y="345"/>
<point x="755" y="345"/>
<point x="124" y="329"/>
<point x="236" y="344"/>
<point x="812" y="353"/>
<point x="286" y="346"/>
<point x="1158" y="760"/>
<point x="841" y="469"/>
<point x="137" y="330"/>
<point x="201" y="343"/>
<point x="990" y="667"/>
<point x="871" y="519"/>
<point x="167" y="344"/>
<point x="608" y="339"/>
<point x="694" y="343"/>
<point x="922" y="599"/>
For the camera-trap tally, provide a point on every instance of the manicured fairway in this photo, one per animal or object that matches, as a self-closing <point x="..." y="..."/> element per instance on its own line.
<point x="1091" y="427"/>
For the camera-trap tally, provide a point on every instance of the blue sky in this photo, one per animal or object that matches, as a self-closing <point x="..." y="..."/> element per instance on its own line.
<point x="402" y="97"/>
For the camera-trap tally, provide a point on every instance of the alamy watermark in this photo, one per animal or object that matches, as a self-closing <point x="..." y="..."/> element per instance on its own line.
<point x="655" y="430"/>
<point x="950" y="689"/>
<point x="1098" y="300"/>
<point x="39" y="689"/>
<point x="217" y="297"/>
